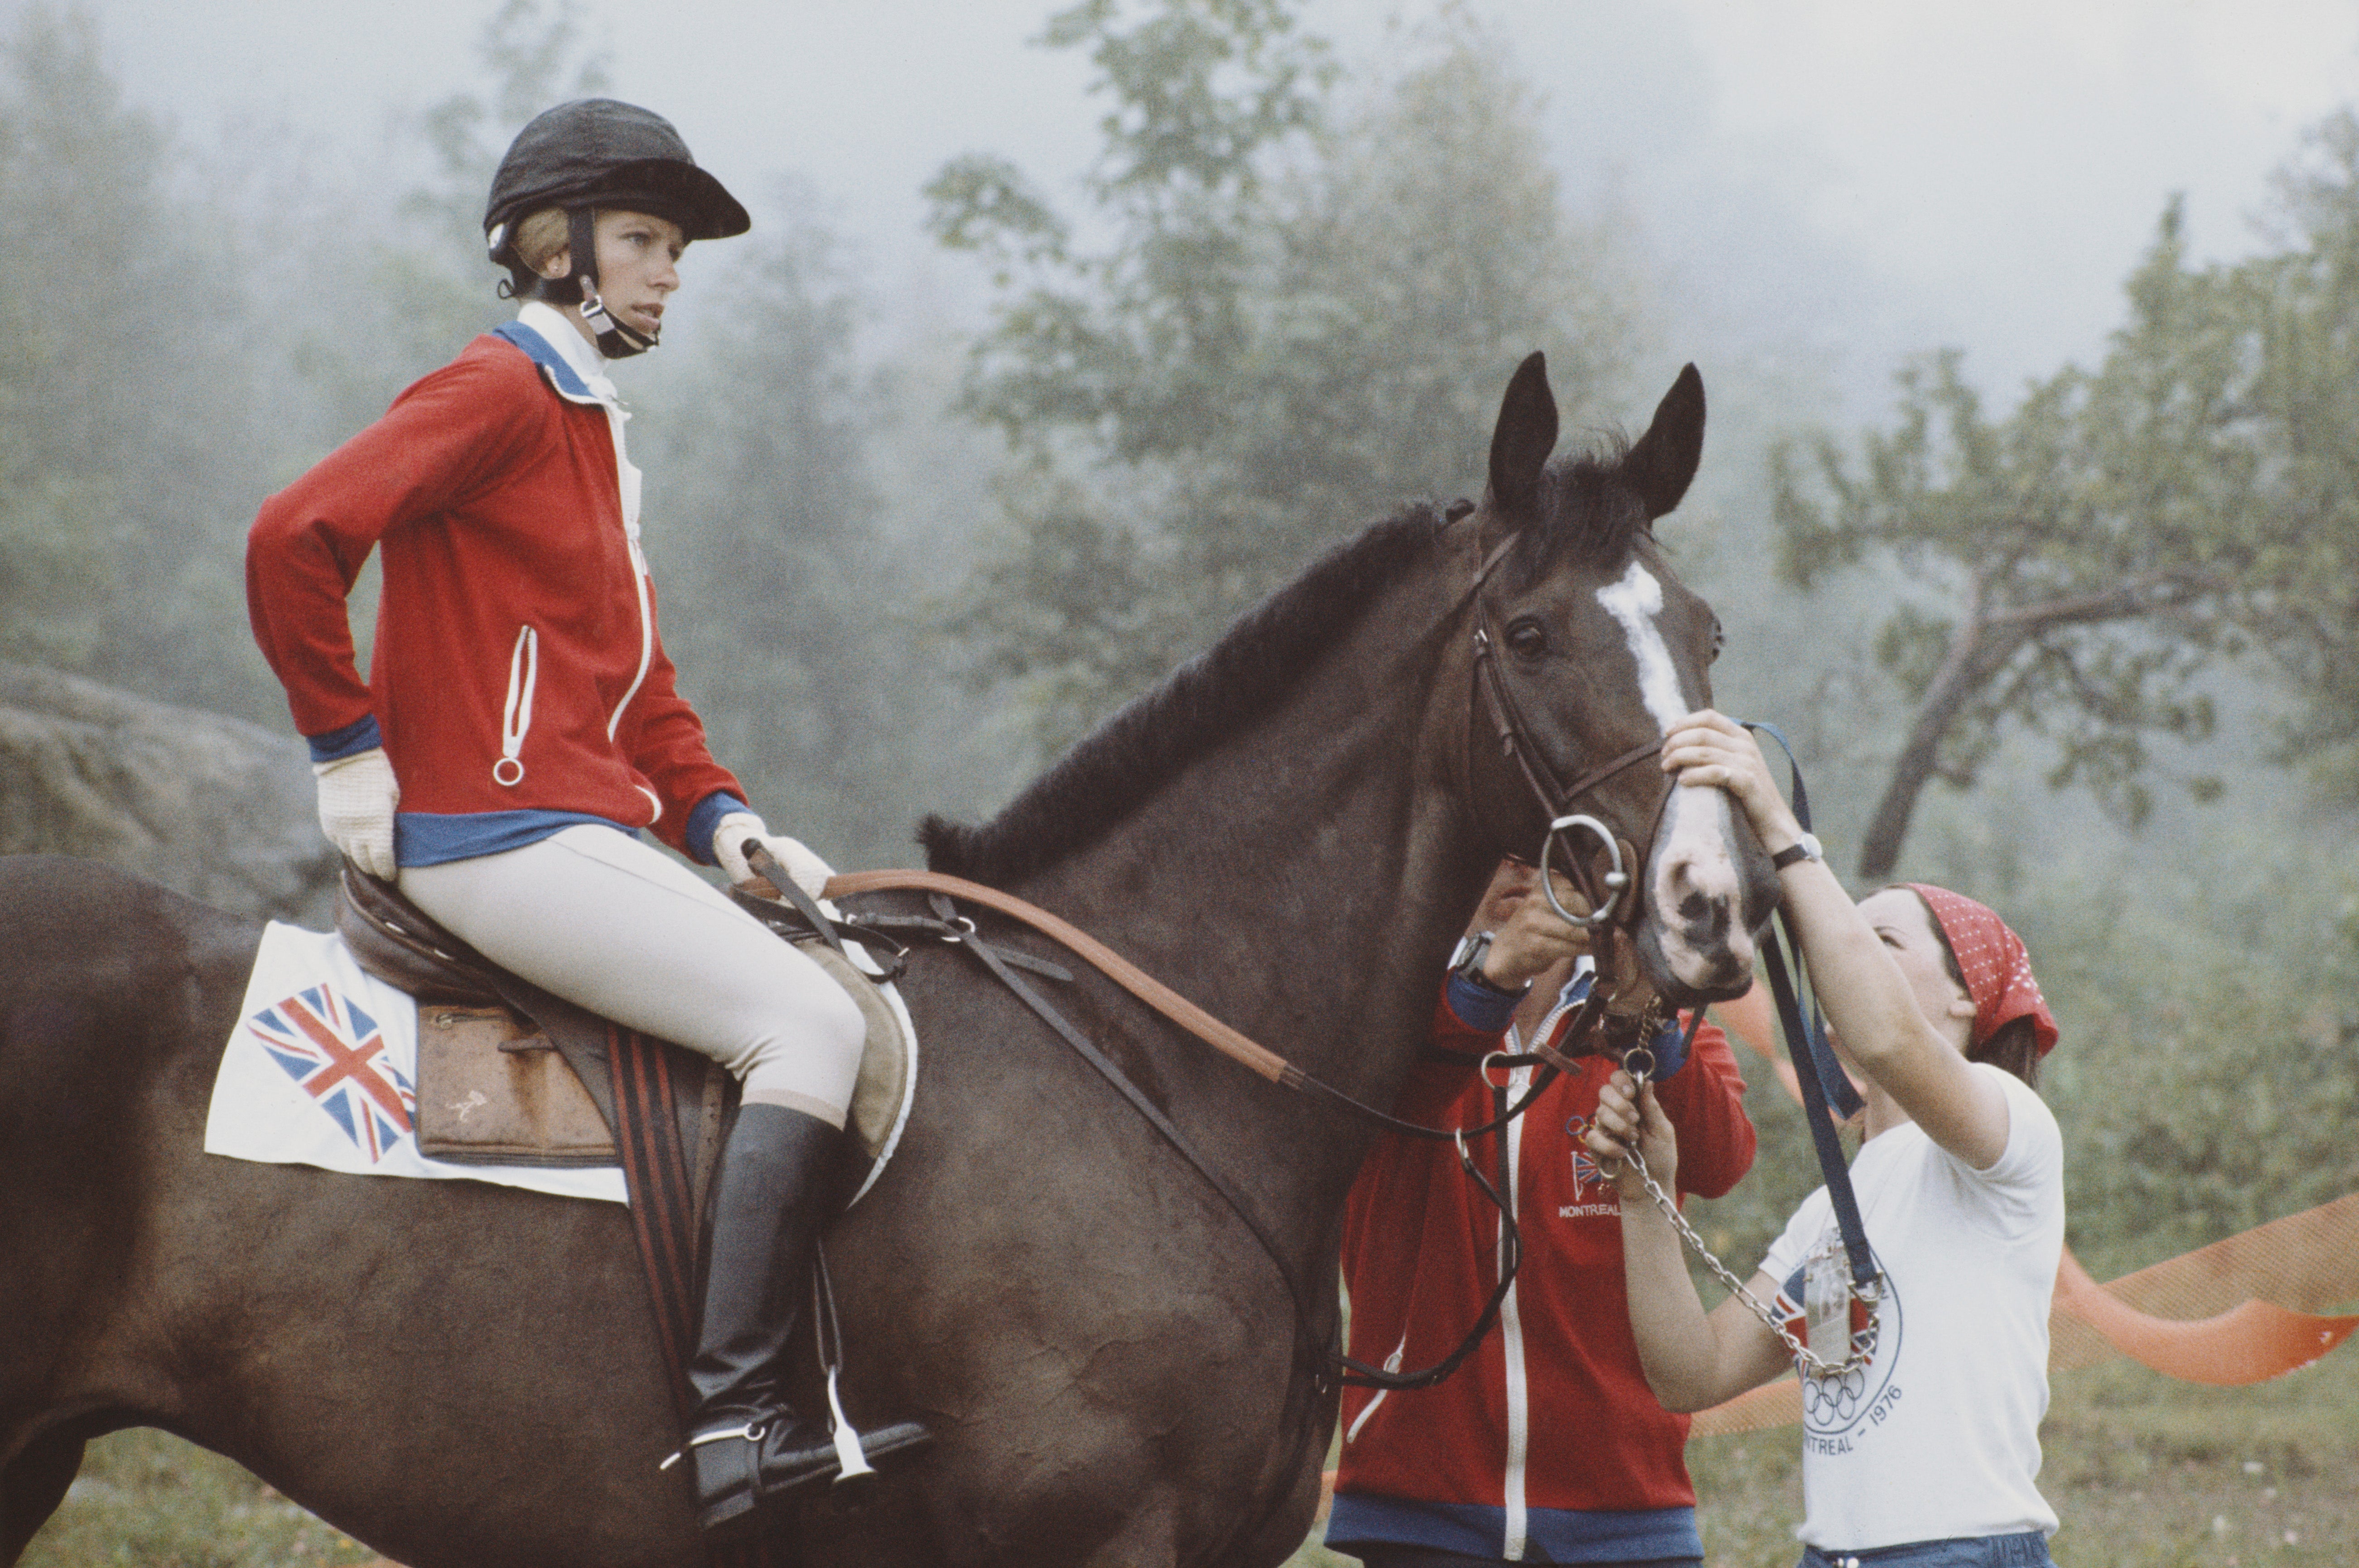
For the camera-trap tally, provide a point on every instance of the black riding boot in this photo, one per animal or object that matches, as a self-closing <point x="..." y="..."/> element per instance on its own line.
<point x="745" y="1442"/>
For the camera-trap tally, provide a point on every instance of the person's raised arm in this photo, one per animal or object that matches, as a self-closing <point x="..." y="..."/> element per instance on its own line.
<point x="1692" y="1361"/>
<point x="1869" y="1002"/>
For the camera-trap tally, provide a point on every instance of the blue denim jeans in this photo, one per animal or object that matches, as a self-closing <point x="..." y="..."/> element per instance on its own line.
<point x="1427" y="1557"/>
<point x="2028" y="1550"/>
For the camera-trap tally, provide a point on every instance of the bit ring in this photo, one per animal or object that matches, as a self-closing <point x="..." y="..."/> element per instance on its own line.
<point x="1617" y="879"/>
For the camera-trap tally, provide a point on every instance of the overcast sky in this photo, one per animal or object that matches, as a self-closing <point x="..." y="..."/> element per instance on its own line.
<point x="1867" y="176"/>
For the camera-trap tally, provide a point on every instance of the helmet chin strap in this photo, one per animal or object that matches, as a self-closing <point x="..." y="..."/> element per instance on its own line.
<point x="616" y="339"/>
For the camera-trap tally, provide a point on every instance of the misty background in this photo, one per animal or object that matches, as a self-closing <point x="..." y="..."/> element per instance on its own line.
<point x="2024" y="330"/>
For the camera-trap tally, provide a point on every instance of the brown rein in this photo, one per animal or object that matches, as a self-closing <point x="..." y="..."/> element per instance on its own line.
<point x="1554" y="796"/>
<point x="1231" y="1043"/>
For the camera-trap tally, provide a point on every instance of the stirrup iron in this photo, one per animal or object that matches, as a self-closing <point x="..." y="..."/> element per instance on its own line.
<point x="750" y="1431"/>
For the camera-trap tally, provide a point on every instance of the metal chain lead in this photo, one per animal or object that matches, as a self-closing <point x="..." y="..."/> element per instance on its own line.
<point x="1813" y="1364"/>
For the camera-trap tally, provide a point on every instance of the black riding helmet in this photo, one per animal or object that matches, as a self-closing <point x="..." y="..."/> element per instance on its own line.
<point x="593" y="153"/>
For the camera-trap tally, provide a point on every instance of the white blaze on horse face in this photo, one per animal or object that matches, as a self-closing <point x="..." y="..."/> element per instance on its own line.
<point x="1635" y="602"/>
<point x="1694" y="891"/>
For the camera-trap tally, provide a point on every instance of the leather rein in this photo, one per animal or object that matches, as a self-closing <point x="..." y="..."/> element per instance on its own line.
<point x="1612" y="897"/>
<point x="1555" y="798"/>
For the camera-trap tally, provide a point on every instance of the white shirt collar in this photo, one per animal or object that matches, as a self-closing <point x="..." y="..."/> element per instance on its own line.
<point x="552" y="326"/>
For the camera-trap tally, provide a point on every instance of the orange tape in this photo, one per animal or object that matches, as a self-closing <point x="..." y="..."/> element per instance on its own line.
<point x="2212" y="1315"/>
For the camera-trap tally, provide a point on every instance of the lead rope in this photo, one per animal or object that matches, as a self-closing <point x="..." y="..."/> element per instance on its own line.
<point x="1861" y="1346"/>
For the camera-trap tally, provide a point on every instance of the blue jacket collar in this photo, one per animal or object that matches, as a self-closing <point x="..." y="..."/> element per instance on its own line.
<point x="560" y="376"/>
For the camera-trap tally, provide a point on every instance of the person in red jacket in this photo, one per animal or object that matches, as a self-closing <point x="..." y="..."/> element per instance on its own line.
<point x="520" y="727"/>
<point x="1547" y="1445"/>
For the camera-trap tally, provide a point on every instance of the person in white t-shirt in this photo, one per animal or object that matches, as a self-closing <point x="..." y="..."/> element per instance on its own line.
<point x="1923" y="1450"/>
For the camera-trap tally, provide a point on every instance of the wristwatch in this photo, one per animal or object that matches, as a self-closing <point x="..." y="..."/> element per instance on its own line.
<point x="1806" y="848"/>
<point x="1466" y="963"/>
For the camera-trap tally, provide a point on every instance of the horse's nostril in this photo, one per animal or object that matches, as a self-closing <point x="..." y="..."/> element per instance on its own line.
<point x="1695" y="907"/>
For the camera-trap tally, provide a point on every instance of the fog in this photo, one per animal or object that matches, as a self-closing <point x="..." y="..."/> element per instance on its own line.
<point x="906" y="552"/>
<point x="1842" y="179"/>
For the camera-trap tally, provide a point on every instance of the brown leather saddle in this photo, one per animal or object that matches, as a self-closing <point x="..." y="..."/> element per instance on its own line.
<point x="508" y="1073"/>
<point x="511" y="1075"/>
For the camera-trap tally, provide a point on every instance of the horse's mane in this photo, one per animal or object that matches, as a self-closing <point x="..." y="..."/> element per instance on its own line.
<point x="1239" y="678"/>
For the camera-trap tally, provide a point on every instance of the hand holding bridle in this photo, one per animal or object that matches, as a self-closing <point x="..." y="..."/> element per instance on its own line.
<point x="1528" y="937"/>
<point x="1710" y="751"/>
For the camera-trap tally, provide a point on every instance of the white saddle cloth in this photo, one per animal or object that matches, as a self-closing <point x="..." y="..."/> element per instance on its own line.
<point x="321" y="1070"/>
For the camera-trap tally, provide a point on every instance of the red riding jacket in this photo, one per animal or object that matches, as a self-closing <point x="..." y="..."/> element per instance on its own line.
<point x="518" y="675"/>
<point x="1551" y="1414"/>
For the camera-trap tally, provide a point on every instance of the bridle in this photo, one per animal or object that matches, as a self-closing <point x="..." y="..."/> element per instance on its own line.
<point x="1613" y="901"/>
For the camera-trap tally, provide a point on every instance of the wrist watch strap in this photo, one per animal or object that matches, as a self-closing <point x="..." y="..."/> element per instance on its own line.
<point x="1467" y="965"/>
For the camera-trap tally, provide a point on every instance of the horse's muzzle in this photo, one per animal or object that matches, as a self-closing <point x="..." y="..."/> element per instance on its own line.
<point x="1710" y="889"/>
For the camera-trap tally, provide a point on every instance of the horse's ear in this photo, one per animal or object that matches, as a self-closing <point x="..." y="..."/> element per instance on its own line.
<point x="1662" y="464"/>
<point x="1523" y="439"/>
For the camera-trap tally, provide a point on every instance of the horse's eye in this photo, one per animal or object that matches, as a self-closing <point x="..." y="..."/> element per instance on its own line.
<point x="1527" y="638"/>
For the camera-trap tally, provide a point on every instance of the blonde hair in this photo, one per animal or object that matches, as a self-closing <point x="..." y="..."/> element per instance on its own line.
<point x="540" y="235"/>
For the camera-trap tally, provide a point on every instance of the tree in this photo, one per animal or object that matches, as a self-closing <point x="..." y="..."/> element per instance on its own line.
<point x="131" y="432"/>
<point x="1303" y="313"/>
<point x="2298" y="347"/>
<point x="2072" y="569"/>
<point x="429" y="286"/>
<point x="781" y="603"/>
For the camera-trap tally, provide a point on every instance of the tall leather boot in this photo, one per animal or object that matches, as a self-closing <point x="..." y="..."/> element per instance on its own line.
<point x="746" y="1443"/>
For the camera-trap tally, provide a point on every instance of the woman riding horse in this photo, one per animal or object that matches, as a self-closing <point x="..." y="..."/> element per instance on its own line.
<point x="1118" y="1366"/>
<point x="520" y="727"/>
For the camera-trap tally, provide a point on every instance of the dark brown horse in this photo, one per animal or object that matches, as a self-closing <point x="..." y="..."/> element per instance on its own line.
<point x="1289" y="831"/>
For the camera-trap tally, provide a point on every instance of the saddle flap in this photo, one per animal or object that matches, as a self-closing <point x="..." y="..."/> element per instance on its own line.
<point x="492" y="1091"/>
<point x="883" y="1089"/>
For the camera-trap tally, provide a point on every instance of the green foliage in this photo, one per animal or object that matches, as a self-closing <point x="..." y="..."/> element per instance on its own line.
<point x="2078" y="569"/>
<point x="53" y="550"/>
<point x="127" y="402"/>
<point x="168" y="355"/>
<point x="2215" y="1053"/>
<point x="429" y="287"/>
<point x="2299" y="314"/>
<point x="784" y="603"/>
<point x="1304" y="312"/>
<point x="2065" y="570"/>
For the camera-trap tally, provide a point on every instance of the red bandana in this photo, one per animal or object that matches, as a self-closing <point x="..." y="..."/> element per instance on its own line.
<point x="1996" y="966"/>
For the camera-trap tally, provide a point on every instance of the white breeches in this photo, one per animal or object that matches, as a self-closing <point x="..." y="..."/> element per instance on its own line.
<point x="618" y="926"/>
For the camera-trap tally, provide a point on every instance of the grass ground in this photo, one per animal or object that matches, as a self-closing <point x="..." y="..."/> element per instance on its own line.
<point x="145" y="1500"/>
<point x="2145" y="1473"/>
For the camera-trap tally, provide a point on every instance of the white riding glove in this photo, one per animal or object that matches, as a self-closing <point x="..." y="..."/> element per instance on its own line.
<point x="357" y="794"/>
<point x="808" y="871"/>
